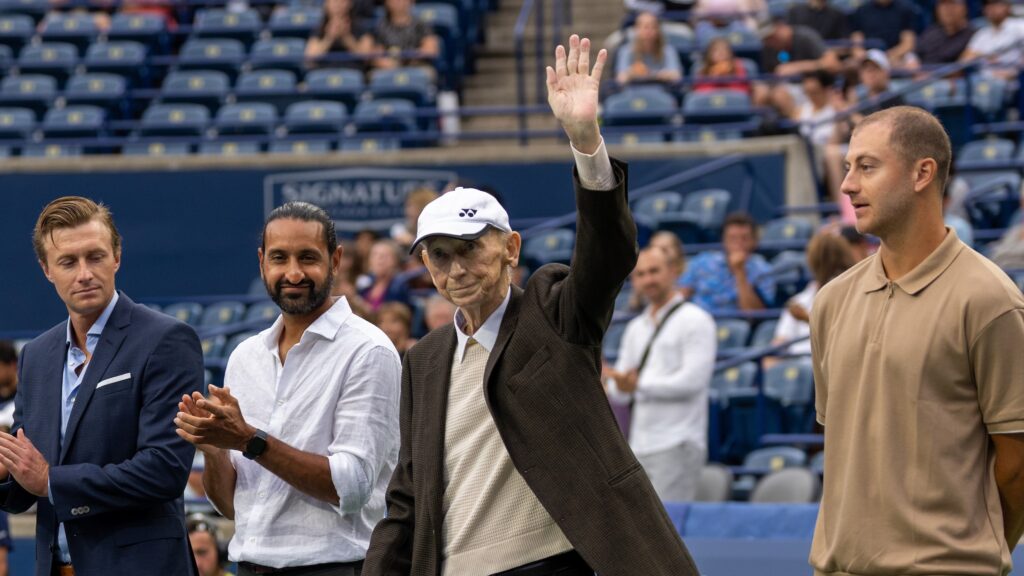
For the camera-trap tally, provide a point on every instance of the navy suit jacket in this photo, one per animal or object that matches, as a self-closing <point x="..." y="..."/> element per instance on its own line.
<point x="117" y="480"/>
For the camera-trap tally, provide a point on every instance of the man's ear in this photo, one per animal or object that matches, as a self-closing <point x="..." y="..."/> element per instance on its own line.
<point x="46" y="270"/>
<point x="925" y="172"/>
<point x="513" y="244"/>
<point x="259" y="255"/>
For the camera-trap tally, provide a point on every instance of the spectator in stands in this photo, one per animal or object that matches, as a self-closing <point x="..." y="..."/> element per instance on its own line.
<point x="404" y="232"/>
<point x="711" y="15"/>
<point x="301" y="440"/>
<point x="438" y="312"/>
<point x="736" y="278"/>
<point x="8" y="383"/>
<point x="382" y="283"/>
<point x="1008" y="252"/>
<point x="719" y="62"/>
<point x="946" y="39"/>
<point x="395" y="320"/>
<point x="400" y="32"/>
<point x="161" y="8"/>
<point x="666" y="358"/>
<point x="364" y="241"/>
<point x="202" y="534"/>
<point x="345" y="281"/>
<point x="828" y="21"/>
<point x="891" y="22"/>
<point x="917" y="372"/>
<point x="828" y="256"/>
<point x="1001" y="43"/>
<point x="100" y="17"/>
<point x="648" y="58"/>
<point x="339" y="33"/>
<point x="815" y="111"/>
<point x="672" y="246"/>
<point x="793" y="50"/>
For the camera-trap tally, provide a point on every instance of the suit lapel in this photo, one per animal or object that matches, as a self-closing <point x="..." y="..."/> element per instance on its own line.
<point x="48" y="437"/>
<point x="433" y="396"/>
<point x="508" y="326"/>
<point x="110" y="342"/>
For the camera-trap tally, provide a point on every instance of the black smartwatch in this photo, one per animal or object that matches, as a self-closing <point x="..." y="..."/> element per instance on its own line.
<point x="257" y="446"/>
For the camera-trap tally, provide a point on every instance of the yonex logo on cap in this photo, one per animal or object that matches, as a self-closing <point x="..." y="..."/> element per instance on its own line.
<point x="467" y="213"/>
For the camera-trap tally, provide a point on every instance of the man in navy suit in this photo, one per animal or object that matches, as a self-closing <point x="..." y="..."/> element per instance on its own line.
<point x="94" y="443"/>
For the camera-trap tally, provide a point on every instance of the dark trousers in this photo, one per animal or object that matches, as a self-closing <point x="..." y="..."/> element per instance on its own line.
<point x="566" y="564"/>
<point x="335" y="569"/>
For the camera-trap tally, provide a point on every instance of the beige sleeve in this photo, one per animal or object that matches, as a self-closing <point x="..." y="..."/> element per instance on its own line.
<point x="998" y="365"/>
<point x="818" y="331"/>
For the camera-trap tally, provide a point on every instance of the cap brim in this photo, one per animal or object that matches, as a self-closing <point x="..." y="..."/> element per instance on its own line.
<point x="465" y="236"/>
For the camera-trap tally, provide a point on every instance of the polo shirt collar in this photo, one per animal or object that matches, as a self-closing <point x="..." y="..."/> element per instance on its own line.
<point x="921" y="276"/>
<point x="486" y="335"/>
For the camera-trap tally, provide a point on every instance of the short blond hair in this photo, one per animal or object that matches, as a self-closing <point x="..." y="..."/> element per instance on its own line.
<point x="71" y="212"/>
<point x="916" y="135"/>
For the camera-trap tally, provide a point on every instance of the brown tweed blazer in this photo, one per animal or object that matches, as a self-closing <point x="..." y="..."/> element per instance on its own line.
<point x="542" y="384"/>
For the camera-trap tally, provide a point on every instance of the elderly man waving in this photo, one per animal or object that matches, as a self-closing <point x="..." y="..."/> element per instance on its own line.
<point x="511" y="462"/>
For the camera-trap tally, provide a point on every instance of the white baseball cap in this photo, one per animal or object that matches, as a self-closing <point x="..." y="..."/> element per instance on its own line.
<point x="463" y="213"/>
<point x="878" y="58"/>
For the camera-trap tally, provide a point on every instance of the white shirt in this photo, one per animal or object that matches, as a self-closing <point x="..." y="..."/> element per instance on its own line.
<point x="821" y="131"/>
<point x="790" y="328"/>
<point x="336" y="395"/>
<point x="1006" y="43"/>
<point x="671" y="400"/>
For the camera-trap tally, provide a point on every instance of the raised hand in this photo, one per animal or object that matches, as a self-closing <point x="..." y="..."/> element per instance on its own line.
<point x="215" y="421"/>
<point x="25" y="463"/>
<point x="573" y="92"/>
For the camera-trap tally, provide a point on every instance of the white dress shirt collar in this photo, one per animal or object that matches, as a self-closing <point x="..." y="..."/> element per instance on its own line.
<point x="659" y="316"/>
<point x="326" y="326"/>
<point x="487" y="334"/>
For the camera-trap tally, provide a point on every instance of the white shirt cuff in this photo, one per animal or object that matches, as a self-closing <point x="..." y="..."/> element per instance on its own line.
<point x="595" y="170"/>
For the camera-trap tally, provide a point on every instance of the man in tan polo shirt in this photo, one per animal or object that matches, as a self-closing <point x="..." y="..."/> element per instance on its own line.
<point x="919" y="372"/>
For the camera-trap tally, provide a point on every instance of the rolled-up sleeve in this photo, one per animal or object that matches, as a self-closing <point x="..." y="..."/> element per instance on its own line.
<point x="366" y="439"/>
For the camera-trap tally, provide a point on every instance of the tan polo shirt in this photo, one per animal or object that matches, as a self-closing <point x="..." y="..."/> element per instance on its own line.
<point x="912" y="377"/>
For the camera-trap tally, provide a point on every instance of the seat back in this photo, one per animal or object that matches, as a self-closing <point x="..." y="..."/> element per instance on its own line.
<point x="714" y="484"/>
<point x="792" y="485"/>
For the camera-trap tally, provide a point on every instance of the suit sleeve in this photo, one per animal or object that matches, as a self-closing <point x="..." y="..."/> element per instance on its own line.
<point x="13" y="498"/>
<point x="159" y="469"/>
<point x="390" y="551"/>
<point x="604" y="255"/>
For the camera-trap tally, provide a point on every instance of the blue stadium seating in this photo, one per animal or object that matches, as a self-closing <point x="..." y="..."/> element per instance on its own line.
<point x="78" y="121"/>
<point x="204" y="87"/>
<point x="279" y="53"/>
<point x="51" y="151"/>
<point x="234" y="341"/>
<point x="787" y="229"/>
<point x="817" y="463"/>
<point x="175" y="120"/>
<point x="340" y="84"/>
<point x="222" y="313"/>
<point x="697" y="217"/>
<point x="277" y="87"/>
<point x="413" y="84"/>
<point x="230" y="148"/>
<point x="187" y="312"/>
<point x="444" y="19"/>
<point x="315" y="116"/>
<point x="125" y="58"/>
<point x="298" y="147"/>
<point x="791" y="384"/>
<point x="156" y="149"/>
<point x="385" y="115"/>
<point x="774" y="458"/>
<point x="732" y="334"/>
<point x="33" y="91"/>
<point x="640" y="107"/>
<point x="790" y="273"/>
<point x="150" y="30"/>
<point x="16" y="30"/>
<point x="34" y="8"/>
<point x="368" y="144"/>
<point x="979" y="152"/>
<point x="221" y="54"/>
<point x="266" y="311"/>
<point x="612" y="341"/>
<point x="742" y="377"/>
<point x="16" y="123"/>
<point x="246" y="118"/>
<point x="213" y="346"/>
<point x="218" y="23"/>
<point x="763" y="334"/>
<point x="106" y="91"/>
<point x="629" y="139"/>
<point x="56" y="59"/>
<point x="993" y="199"/>
<point x="554" y="245"/>
<point x="295" y="21"/>
<point x="6" y="57"/>
<point x="717" y="107"/>
<point x="77" y="28"/>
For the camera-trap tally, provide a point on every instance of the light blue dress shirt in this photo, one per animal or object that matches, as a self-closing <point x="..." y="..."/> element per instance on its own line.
<point x="69" y="391"/>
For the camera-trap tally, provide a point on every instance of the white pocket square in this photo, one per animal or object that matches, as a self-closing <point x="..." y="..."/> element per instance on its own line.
<point x="113" y="380"/>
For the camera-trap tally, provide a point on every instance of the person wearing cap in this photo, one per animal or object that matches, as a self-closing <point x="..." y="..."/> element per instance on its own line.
<point x="946" y="39"/>
<point x="511" y="461"/>
<point x="202" y="537"/>
<point x="301" y="441"/>
<point x="1001" y="43"/>
<point x="893" y="22"/>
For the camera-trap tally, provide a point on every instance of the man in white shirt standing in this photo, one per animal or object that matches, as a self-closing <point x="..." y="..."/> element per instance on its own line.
<point x="665" y="364"/>
<point x="303" y="473"/>
<point x="1001" y="43"/>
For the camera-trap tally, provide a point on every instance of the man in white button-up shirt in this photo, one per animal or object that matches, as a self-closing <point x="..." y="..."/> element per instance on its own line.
<point x="303" y="472"/>
<point x="669" y="428"/>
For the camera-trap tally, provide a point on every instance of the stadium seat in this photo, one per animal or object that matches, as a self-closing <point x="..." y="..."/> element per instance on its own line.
<point x="612" y="341"/>
<point x="6" y="58"/>
<point x="280" y="54"/>
<point x="222" y="313"/>
<point x="715" y="483"/>
<point x="16" y="123"/>
<point x="317" y="146"/>
<point x="315" y="116"/>
<point x="204" y="87"/>
<point x="32" y="91"/>
<point x="774" y="458"/>
<point x="988" y="96"/>
<point x="78" y="121"/>
<point x="77" y="28"/>
<point x="697" y="217"/>
<point x="219" y="23"/>
<point x="34" y="8"/>
<point x="230" y="148"/>
<point x="980" y="152"/>
<point x="51" y="151"/>
<point x="246" y="118"/>
<point x="385" y="115"/>
<point x="628" y="139"/>
<point x="6" y="152"/>
<point x="717" y="107"/>
<point x="266" y="311"/>
<point x="234" y="341"/>
<point x="295" y="21"/>
<point x="740" y="377"/>
<point x="221" y="54"/>
<point x="746" y="43"/>
<point x="16" y="30"/>
<point x="791" y="485"/>
<point x="444" y="20"/>
<point x="796" y="231"/>
<point x="175" y="120"/>
<point x="125" y="58"/>
<point x="106" y="91"/>
<point x="156" y="149"/>
<point x="369" y="144"/>
<point x="56" y="59"/>
<point x="763" y="334"/>
<point x="993" y="199"/>
<point x="150" y="30"/>
<point x="640" y="107"/>
<point x="709" y="208"/>
<point x="932" y="95"/>
<point x="213" y="346"/>
<point x="790" y="273"/>
<point x="732" y="334"/>
<point x="187" y="312"/>
<point x="554" y="245"/>
<point x="848" y="7"/>
<point x="340" y="84"/>
<point x="277" y="87"/>
<point x="413" y="84"/>
<point x="791" y="383"/>
<point x="818" y="463"/>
